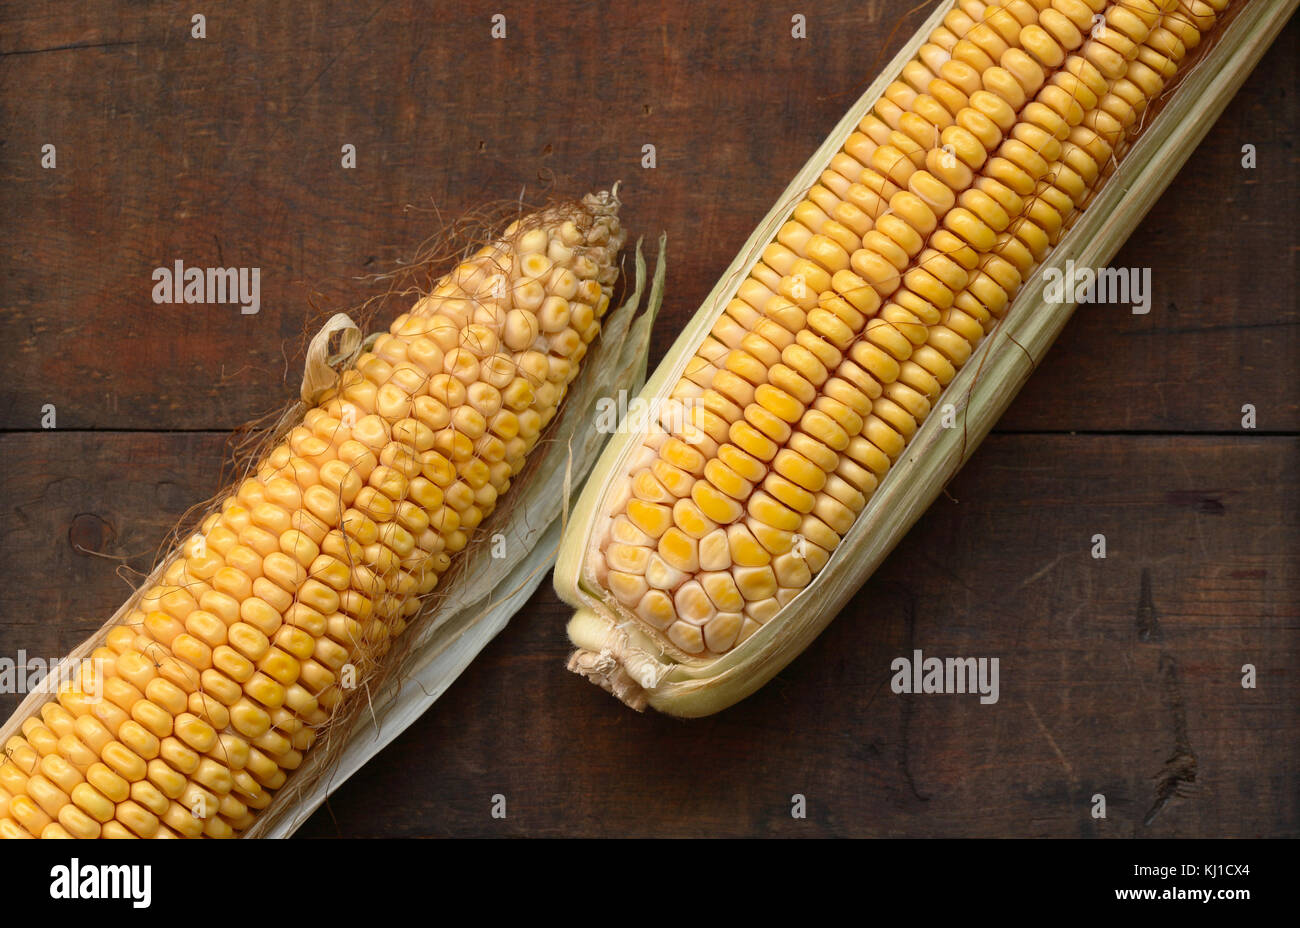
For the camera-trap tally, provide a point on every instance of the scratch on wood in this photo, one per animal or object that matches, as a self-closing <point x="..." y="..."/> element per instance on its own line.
<point x="1147" y="625"/>
<point x="1208" y="502"/>
<point x="909" y="620"/>
<point x="66" y="48"/>
<point x="1043" y="572"/>
<point x="1180" y="769"/>
<point x="301" y="95"/>
<point x="1050" y="740"/>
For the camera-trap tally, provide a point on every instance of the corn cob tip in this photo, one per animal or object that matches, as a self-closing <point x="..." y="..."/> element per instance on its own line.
<point x="604" y="202"/>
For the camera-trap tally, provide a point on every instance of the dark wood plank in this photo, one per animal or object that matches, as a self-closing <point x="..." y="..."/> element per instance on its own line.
<point x="225" y="151"/>
<point x="1108" y="668"/>
<point x="84" y="516"/>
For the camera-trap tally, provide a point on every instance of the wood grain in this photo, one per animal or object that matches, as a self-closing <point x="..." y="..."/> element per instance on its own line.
<point x="1119" y="676"/>
<point x="1108" y="668"/>
<point x="226" y="152"/>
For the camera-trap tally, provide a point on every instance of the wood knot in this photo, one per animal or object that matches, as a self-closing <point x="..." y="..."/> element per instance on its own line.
<point x="89" y="534"/>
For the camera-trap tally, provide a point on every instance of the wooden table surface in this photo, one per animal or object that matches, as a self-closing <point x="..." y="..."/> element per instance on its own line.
<point x="1120" y="677"/>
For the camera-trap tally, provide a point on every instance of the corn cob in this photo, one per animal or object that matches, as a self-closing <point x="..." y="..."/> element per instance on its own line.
<point x="847" y="330"/>
<point x="799" y="397"/>
<point x="222" y="674"/>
